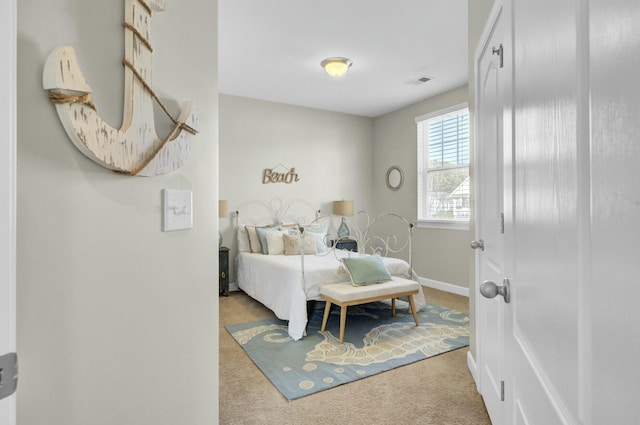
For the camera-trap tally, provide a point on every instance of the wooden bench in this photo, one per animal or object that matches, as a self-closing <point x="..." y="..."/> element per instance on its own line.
<point x="345" y="294"/>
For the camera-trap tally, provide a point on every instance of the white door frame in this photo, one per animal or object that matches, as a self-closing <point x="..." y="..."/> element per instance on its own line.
<point x="8" y="194"/>
<point x="486" y="33"/>
<point x="497" y="404"/>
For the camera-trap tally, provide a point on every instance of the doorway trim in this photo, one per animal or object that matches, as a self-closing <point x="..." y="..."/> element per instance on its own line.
<point x="8" y="194"/>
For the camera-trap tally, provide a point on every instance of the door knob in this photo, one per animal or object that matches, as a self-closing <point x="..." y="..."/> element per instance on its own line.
<point x="489" y="289"/>
<point x="477" y="244"/>
<point x="8" y="374"/>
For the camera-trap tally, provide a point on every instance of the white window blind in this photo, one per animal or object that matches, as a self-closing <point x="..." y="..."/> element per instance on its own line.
<point x="443" y="166"/>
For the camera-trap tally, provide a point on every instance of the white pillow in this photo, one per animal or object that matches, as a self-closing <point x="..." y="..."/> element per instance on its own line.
<point x="275" y="242"/>
<point x="243" y="240"/>
<point x="321" y="245"/>
<point x="319" y="231"/>
<point x="317" y="228"/>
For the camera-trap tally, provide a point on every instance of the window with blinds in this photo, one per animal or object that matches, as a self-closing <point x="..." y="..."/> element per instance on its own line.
<point x="443" y="166"/>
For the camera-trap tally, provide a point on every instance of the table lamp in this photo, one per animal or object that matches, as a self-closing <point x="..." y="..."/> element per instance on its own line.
<point x="343" y="208"/>
<point x="223" y="211"/>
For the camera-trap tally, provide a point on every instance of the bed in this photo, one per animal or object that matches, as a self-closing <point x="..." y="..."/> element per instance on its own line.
<point x="286" y="283"/>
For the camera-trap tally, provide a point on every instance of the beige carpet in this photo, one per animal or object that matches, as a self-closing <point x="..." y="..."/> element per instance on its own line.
<point x="438" y="391"/>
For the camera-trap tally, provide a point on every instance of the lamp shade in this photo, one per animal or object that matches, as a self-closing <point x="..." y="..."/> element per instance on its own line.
<point x="336" y="67"/>
<point x="223" y="208"/>
<point x="343" y="208"/>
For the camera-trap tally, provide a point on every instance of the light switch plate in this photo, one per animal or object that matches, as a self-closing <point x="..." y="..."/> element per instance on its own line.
<point x="177" y="210"/>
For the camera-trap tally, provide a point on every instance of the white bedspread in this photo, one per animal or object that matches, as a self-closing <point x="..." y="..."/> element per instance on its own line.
<point x="275" y="281"/>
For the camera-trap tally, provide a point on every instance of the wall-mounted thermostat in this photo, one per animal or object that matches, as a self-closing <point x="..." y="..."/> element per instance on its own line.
<point x="177" y="206"/>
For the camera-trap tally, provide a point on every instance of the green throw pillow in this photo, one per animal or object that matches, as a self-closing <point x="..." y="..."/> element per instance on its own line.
<point x="366" y="270"/>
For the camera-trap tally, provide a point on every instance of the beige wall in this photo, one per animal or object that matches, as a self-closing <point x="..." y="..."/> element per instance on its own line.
<point x="332" y="153"/>
<point x="338" y="156"/>
<point x="440" y="255"/>
<point x="117" y="321"/>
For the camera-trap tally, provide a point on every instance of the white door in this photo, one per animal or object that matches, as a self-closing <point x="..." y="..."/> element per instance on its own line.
<point x="7" y="197"/>
<point x="613" y="291"/>
<point x="489" y="244"/>
<point x="570" y="347"/>
<point x="549" y="264"/>
<point x="528" y="355"/>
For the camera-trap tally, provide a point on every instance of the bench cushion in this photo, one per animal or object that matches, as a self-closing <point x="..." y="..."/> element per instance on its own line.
<point x="346" y="292"/>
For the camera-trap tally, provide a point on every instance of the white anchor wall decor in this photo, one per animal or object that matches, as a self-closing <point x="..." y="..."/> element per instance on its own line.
<point x="135" y="148"/>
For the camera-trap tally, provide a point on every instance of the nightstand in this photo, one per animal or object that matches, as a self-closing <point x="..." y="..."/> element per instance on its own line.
<point x="347" y="244"/>
<point x="223" y="265"/>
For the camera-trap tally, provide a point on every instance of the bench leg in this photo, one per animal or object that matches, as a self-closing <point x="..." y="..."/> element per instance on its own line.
<point x="413" y="310"/>
<point x="343" y="321"/>
<point x="393" y="307"/>
<point x="327" y="308"/>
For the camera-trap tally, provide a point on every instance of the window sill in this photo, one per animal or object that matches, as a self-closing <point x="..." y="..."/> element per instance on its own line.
<point x="442" y="224"/>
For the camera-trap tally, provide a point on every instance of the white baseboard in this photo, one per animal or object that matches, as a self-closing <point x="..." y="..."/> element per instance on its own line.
<point x="471" y="364"/>
<point x="233" y="287"/>
<point x="447" y="287"/>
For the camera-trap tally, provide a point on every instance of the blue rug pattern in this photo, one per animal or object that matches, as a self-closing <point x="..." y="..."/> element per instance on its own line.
<point x="374" y="342"/>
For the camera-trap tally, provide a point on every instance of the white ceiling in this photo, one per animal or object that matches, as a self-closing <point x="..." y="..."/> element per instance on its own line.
<point x="271" y="50"/>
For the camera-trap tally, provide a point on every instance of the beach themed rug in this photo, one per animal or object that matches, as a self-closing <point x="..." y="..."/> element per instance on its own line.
<point x="374" y="342"/>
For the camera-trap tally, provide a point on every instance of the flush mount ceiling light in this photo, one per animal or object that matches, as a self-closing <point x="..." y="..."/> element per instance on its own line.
<point x="336" y="67"/>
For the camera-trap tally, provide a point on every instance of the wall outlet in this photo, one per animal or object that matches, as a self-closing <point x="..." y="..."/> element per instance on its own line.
<point x="178" y="206"/>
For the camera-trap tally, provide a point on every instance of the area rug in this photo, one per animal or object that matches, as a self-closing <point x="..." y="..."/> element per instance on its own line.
<point x="374" y="342"/>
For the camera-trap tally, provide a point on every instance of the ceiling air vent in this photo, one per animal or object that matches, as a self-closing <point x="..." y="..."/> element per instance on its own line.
<point x="418" y="81"/>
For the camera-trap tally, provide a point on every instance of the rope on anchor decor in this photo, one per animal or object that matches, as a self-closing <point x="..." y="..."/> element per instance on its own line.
<point x="146" y="86"/>
<point x="150" y="157"/>
<point x="137" y="33"/>
<point x="59" y="98"/>
<point x="153" y="94"/>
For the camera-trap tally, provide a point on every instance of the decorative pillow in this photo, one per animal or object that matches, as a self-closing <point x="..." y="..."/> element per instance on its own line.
<point x="366" y="270"/>
<point x="243" y="240"/>
<point x="254" y="241"/>
<point x="261" y="231"/>
<point x="321" y="244"/>
<point x="275" y="242"/>
<point x="320" y="231"/>
<point x="292" y="245"/>
<point x="290" y="229"/>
